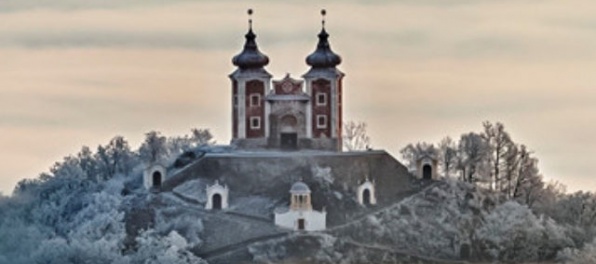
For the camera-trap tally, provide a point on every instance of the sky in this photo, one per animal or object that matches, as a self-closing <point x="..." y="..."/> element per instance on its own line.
<point x="77" y="73"/>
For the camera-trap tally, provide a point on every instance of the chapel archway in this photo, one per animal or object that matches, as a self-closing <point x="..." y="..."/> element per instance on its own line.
<point x="427" y="172"/>
<point x="366" y="197"/>
<point x="217" y="200"/>
<point x="301" y="224"/>
<point x="217" y="197"/>
<point x="288" y="132"/>
<point x="366" y="193"/>
<point x="156" y="179"/>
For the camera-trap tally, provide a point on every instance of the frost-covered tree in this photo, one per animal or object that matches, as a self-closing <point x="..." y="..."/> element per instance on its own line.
<point x="509" y="170"/>
<point x="528" y="184"/>
<point x="154" y="148"/>
<point x="68" y="168"/>
<point x="155" y="249"/>
<point x="197" y="138"/>
<point x="412" y="152"/>
<point x="18" y="237"/>
<point x="354" y="136"/>
<point x="88" y="163"/>
<point x="586" y="255"/>
<point x="473" y="150"/>
<point x="115" y="158"/>
<point x="512" y="233"/>
<point x="578" y="209"/>
<point x="498" y="141"/>
<point x="201" y="137"/>
<point x="447" y="155"/>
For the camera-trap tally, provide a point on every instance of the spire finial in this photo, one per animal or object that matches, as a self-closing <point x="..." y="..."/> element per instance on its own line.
<point x="249" y="12"/>
<point x="323" y="13"/>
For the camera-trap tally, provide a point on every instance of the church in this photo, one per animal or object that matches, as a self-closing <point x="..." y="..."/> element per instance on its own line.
<point x="288" y="113"/>
<point x="286" y="151"/>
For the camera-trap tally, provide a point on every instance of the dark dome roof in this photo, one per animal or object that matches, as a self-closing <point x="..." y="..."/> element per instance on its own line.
<point x="300" y="188"/>
<point x="323" y="57"/>
<point x="250" y="57"/>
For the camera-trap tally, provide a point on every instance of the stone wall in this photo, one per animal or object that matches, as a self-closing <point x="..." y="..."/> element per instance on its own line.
<point x="333" y="177"/>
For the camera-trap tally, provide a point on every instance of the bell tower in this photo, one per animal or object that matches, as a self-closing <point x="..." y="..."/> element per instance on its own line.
<point x="250" y="83"/>
<point x="324" y="86"/>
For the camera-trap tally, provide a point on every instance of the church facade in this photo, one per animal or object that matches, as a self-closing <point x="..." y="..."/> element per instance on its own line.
<point x="288" y="114"/>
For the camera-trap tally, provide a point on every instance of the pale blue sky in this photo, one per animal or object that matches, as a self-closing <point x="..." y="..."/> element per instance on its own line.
<point x="76" y="73"/>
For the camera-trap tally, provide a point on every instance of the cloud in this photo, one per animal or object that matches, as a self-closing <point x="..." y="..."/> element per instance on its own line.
<point x="114" y="38"/>
<point x="74" y="5"/>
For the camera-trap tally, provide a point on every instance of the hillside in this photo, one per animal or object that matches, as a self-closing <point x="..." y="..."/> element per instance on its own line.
<point x="92" y="208"/>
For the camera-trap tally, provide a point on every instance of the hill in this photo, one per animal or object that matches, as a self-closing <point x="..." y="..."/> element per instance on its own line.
<point x="92" y="208"/>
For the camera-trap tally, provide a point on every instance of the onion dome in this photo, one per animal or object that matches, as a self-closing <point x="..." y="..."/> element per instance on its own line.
<point x="250" y="57"/>
<point x="323" y="57"/>
<point x="300" y="188"/>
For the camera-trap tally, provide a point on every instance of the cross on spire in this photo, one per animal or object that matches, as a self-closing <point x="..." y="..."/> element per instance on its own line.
<point x="249" y="12"/>
<point x="323" y="13"/>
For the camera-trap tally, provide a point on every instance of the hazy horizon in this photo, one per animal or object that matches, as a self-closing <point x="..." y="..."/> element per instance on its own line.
<point x="78" y="73"/>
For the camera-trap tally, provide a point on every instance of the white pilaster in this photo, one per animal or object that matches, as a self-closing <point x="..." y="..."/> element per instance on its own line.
<point x="242" y="108"/>
<point x="266" y="117"/>
<point x="333" y="114"/>
<point x="309" y="105"/>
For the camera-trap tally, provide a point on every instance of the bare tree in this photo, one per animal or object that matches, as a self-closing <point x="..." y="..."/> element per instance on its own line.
<point x="528" y="183"/>
<point x="447" y="155"/>
<point x="472" y="150"/>
<point x="114" y="158"/>
<point x="510" y="168"/>
<point x="154" y="147"/>
<point x="354" y="136"/>
<point x="201" y="137"/>
<point x="411" y="153"/>
<point x="498" y="141"/>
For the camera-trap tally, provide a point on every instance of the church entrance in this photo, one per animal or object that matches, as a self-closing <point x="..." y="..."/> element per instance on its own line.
<point x="157" y="179"/>
<point x="427" y="172"/>
<point x="289" y="141"/>
<point x="301" y="224"/>
<point x="288" y="132"/>
<point x="366" y="197"/>
<point x="216" y="201"/>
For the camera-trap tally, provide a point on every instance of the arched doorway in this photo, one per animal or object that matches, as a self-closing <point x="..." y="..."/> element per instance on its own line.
<point x="156" y="179"/>
<point x="288" y="132"/>
<point x="216" y="200"/>
<point x="427" y="172"/>
<point x="301" y="224"/>
<point x="366" y="197"/>
<point x="464" y="252"/>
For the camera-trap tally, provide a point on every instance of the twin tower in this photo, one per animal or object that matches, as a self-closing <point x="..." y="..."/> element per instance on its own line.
<point x="287" y="114"/>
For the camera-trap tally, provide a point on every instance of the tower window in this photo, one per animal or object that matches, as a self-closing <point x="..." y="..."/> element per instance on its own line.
<point x="255" y="100"/>
<point x="235" y="100"/>
<point x="255" y="122"/>
<point x="321" y="121"/>
<point x="321" y="99"/>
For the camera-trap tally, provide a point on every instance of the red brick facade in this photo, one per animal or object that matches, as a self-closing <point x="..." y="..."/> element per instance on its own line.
<point x="255" y="108"/>
<point x="321" y="107"/>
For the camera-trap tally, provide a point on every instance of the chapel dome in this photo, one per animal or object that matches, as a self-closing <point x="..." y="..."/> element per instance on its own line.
<point x="300" y="188"/>
<point x="323" y="56"/>
<point x="250" y="57"/>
